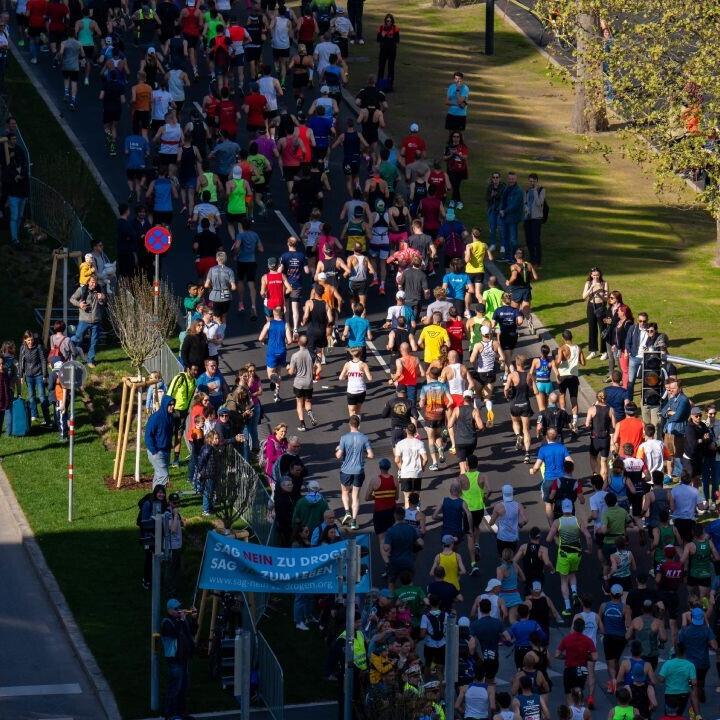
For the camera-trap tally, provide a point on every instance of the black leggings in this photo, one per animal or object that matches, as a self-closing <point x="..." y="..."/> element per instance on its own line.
<point x="455" y="179"/>
<point x="386" y="59"/>
<point x="595" y="327"/>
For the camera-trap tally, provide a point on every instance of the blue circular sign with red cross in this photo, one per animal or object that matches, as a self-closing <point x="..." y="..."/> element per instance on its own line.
<point x="158" y="240"/>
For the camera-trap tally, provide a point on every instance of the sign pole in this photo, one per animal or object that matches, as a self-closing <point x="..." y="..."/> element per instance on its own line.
<point x="452" y="643"/>
<point x="155" y="615"/>
<point x="156" y="285"/>
<point x="138" y="432"/>
<point x="241" y="674"/>
<point x="489" y="27"/>
<point x="71" y="447"/>
<point x="350" y="579"/>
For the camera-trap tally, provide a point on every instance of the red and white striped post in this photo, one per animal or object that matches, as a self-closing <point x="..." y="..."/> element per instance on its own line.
<point x="71" y="449"/>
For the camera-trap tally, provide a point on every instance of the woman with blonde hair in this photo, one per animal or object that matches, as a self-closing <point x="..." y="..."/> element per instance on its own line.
<point x="275" y="447"/>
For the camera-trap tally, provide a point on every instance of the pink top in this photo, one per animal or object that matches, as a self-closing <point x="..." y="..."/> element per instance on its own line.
<point x="274" y="448"/>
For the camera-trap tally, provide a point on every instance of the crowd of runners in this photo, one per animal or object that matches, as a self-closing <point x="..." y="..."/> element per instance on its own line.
<point x="447" y="344"/>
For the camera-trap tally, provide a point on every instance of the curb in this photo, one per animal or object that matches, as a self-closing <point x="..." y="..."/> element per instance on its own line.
<point x="72" y="137"/>
<point x="586" y="395"/>
<point x="52" y="589"/>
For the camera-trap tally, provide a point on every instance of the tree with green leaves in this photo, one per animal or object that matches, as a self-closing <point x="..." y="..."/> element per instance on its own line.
<point x="654" y="63"/>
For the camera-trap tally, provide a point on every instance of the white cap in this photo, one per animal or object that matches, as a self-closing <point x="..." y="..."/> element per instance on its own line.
<point x="492" y="584"/>
<point x="536" y="586"/>
<point x="151" y="50"/>
<point x="108" y="40"/>
<point x="88" y="257"/>
<point x="468" y="393"/>
<point x="400" y="294"/>
<point x="485" y="330"/>
<point x="313" y="485"/>
<point x="567" y="505"/>
<point x="464" y="621"/>
<point x="324" y="89"/>
<point x="237" y="173"/>
<point x="507" y="493"/>
<point x="414" y="127"/>
<point x="322" y="276"/>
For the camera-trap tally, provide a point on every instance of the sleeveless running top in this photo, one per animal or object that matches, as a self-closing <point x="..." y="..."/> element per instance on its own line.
<point x="281" y="33"/>
<point x="465" y="433"/>
<point x="237" y="204"/>
<point x="601" y="424"/>
<point x="85" y="35"/>
<point x="570" y="366"/>
<point x="486" y="357"/>
<point x="474" y="496"/>
<point x="359" y="272"/>
<point x="569" y="534"/>
<point x="623" y="564"/>
<point x="411" y="517"/>
<point x="187" y="167"/>
<point x="210" y="186"/>
<point x="533" y="566"/>
<point x="380" y="238"/>
<point x="477" y="701"/>
<point x="667" y="537"/>
<point x="275" y="290"/>
<point x="313" y="233"/>
<point x="409" y="366"/>
<point x="276" y="337"/>
<point x="507" y="525"/>
<point x="456" y="384"/>
<point x="266" y="85"/>
<point x="452" y="568"/>
<point x="351" y="147"/>
<point x="542" y="373"/>
<point x="355" y="378"/>
<point x="591" y="627"/>
<point x="384" y="495"/>
<point x="523" y="278"/>
<point x="318" y="319"/>
<point x="170" y="139"/>
<point x="522" y="391"/>
<point x="614" y="618"/>
<point x="530" y="707"/>
<point x="701" y="561"/>
<point x="623" y="712"/>
<point x="648" y="639"/>
<point x="163" y="194"/>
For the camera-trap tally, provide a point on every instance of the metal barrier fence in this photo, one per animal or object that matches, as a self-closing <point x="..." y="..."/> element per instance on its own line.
<point x="165" y="362"/>
<point x="270" y="678"/>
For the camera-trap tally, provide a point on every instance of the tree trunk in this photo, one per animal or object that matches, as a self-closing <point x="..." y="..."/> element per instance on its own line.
<point x="589" y="114"/>
<point x="717" y="241"/>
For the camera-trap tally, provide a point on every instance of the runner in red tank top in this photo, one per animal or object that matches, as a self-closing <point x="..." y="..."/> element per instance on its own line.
<point x="191" y="23"/>
<point x="439" y="180"/>
<point x="273" y="287"/>
<point x="383" y="491"/>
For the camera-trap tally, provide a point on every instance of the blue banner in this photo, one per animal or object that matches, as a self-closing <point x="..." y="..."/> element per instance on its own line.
<point x="234" y="566"/>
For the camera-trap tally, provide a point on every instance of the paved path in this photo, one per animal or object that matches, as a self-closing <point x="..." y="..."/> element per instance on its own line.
<point x="40" y="675"/>
<point x="496" y="451"/>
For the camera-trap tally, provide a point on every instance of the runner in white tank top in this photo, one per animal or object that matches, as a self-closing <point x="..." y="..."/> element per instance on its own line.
<point x="357" y="373"/>
<point x="266" y="85"/>
<point x="570" y="366"/>
<point x="457" y="383"/>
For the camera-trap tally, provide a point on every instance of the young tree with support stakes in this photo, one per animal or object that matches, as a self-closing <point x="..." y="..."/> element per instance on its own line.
<point x="142" y="322"/>
<point x="653" y="63"/>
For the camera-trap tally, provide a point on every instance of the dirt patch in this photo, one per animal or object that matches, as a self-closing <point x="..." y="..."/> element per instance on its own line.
<point x="127" y="482"/>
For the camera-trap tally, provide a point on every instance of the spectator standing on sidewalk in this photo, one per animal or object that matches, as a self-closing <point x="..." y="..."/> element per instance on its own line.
<point x="493" y="194"/>
<point x="32" y="370"/>
<point x="512" y="201"/>
<point x="456" y="100"/>
<point x="355" y="16"/>
<point x="177" y="632"/>
<point x="675" y="412"/>
<point x="534" y="211"/>
<point x="388" y="37"/>
<point x="159" y="439"/>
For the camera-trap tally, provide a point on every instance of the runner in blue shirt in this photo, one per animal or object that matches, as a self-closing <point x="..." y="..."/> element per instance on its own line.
<point x="137" y="151"/>
<point x="458" y="287"/>
<point x="294" y="263"/>
<point x="322" y="127"/>
<point x="277" y="334"/>
<point x="553" y="455"/>
<point x="352" y="449"/>
<point x="357" y="330"/>
<point x="246" y="246"/>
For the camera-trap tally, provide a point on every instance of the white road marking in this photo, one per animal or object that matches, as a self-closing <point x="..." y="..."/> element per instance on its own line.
<point x="378" y="356"/>
<point x="30" y="690"/>
<point x="285" y="222"/>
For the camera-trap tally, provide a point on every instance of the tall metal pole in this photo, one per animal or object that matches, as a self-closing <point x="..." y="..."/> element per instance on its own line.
<point x="71" y="447"/>
<point x="156" y="285"/>
<point x="65" y="286"/>
<point x="155" y="615"/>
<point x="489" y="27"/>
<point x="452" y="644"/>
<point x="351" y="579"/>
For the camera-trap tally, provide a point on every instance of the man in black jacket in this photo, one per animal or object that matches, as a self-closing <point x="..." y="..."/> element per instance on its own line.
<point x="177" y="632"/>
<point x="697" y="444"/>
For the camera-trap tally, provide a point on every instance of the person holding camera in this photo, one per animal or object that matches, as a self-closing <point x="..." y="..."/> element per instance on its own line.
<point x="177" y="632"/>
<point x="90" y="299"/>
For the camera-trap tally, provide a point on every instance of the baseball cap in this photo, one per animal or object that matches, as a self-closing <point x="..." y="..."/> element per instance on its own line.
<point x="108" y="40"/>
<point x="464" y="621"/>
<point x="567" y="505"/>
<point x="237" y="173"/>
<point x="324" y="89"/>
<point x="380" y="206"/>
<point x="414" y="127"/>
<point x="191" y="3"/>
<point x="301" y="116"/>
<point x="57" y="365"/>
<point x="450" y="214"/>
<point x="647" y="603"/>
<point x="223" y="411"/>
<point x="414" y="669"/>
<point x="339" y="10"/>
<point x="536" y="586"/>
<point x="507" y="492"/>
<point x="616" y="590"/>
<point x="696" y="410"/>
<point x="431" y="685"/>
<point x="492" y="584"/>
<point x="697" y="616"/>
<point x="400" y="294"/>
<point x="384" y="464"/>
<point x="468" y="393"/>
<point x="669" y="551"/>
<point x="272" y="262"/>
<point x="386" y="593"/>
<point x="322" y="276"/>
<point x="313" y="486"/>
<point x="173" y="604"/>
<point x="485" y="330"/>
<point x="448" y="540"/>
<point x="151" y="50"/>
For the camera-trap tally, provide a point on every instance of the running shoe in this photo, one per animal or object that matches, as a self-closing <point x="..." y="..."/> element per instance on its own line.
<point x="474" y="569"/>
<point x="459" y="205"/>
<point x="433" y="467"/>
<point x="347" y="517"/>
<point x="301" y="427"/>
<point x="441" y="454"/>
<point x="490" y="418"/>
<point x="531" y="325"/>
<point x="453" y="451"/>
<point x="313" y="421"/>
<point x="526" y="459"/>
<point x="353" y="524"/>
<point x="603" y="356"/>
<point x="301" y="626"/>
<point x="518" y="442"/>
<point x="591" y="355"/>
<point x="567" y="612"/>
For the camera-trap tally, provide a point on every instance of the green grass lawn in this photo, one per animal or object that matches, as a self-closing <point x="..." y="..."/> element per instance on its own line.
<point x="604" y="211"/>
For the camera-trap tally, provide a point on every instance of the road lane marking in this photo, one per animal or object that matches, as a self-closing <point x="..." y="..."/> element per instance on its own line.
<point x="285" y="222"/>
<point x="30" y="690"/>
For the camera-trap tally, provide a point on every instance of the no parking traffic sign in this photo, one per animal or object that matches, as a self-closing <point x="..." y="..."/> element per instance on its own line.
<point x="158" y="240"/>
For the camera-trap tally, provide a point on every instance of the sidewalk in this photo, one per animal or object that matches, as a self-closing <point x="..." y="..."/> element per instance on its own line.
<point x="41" y="675"/>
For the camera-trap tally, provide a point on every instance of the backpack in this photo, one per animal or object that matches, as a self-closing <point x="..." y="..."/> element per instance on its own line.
<point x="56" y="353"/>
<point x="567" y="489"/>
<point x="454" y="245"/>
<point x="437" y="625"/>
<point x="141" y="502"/>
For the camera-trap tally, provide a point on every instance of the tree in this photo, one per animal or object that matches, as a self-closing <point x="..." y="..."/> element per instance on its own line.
<point x="655" y="63"/>
<point x="141" y="328"/>
<point x="235" y="489"/>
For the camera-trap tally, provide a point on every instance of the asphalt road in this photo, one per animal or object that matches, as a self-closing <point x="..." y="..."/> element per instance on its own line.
<point x="499" y="460"/>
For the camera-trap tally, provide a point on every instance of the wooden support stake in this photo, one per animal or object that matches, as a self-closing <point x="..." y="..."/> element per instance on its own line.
<point x="128" y="425"/>
<point x="201" y="614"/>
<point x="117" y="475"/>
<point x="50" y="298"/>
